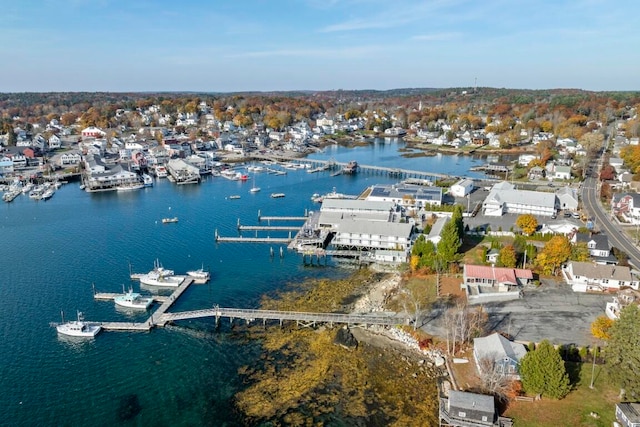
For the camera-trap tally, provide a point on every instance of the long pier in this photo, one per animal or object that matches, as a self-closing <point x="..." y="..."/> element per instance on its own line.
<point x="267" y="228"/>
<point x="395" y="172"/>
<point x="161" y="317"/>
<point x="304" y="318"/>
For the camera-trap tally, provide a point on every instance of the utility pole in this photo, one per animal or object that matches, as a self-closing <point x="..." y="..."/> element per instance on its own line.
<point x="593" y="367"/>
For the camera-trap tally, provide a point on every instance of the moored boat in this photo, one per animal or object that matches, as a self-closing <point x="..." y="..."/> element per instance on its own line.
<point x="277" y="195"/>
<point x="78" y="328"/>
<point x="235" y="196"/>
<point x="200" y="275"/>
<point x="160" y="276"/>
<point x="133" y="300"/>
<point x="169" y="220"/>
<point x="130" y="187"/>
<point x="147" y="181"/>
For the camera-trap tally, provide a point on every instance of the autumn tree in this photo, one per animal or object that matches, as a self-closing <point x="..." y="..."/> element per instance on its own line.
<point x="580" y="252"/>
<point x="527" y="223"/>
<point x="507" y="257"/>
<point x="543" y="372"/>
<point x="494" y="380"/>
<point x="462" y="324"/>
<point x="601" y="327"/>
<point x="553" y="255"/>
<point x="607" y="173"/>
<point x="622" y="353"/>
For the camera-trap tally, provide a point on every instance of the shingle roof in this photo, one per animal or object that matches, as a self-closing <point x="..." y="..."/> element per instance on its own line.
<point x="496" y="346"/>
<point x="600" y="271"/>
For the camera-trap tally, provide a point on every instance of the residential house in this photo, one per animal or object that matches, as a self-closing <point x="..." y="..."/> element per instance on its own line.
<point x="623" y="298"/>
<point x="93" y="132"/>
<point x="436" y="230"/>
<point x="54" y="142"/>
<point x="567" y="198"/>
<point x="465" y="409"/>
<point x="536" y="172"/>
<point x="628" y="414"/>
<point x="462" y="188"/>
<point x="488" y="283"/>
<point x="562" y="172"/>
<point x="525" y="159"/>
<point x="598" y="245"/>
<point x="492" y="256"/>
<point x="626" y="206"/>
<point x="589" y="276"/>
<point x="504" y="198"/>
<point x="70" y="158"/>
<point x="616" y="162"/>
<point x="496" y="353"/>
<point x="6" y="165"/>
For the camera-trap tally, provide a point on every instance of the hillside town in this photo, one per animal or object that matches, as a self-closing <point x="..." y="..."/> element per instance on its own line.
<point x="558" y="207"/>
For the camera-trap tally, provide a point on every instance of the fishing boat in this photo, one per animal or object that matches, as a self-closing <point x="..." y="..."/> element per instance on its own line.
<point x="133" y="300"/>
<point x="169" y="220"/>
<point x="200" y="275"/>
<point x="78" y="328"/>
<point x="160" y="276"/>
<point x="350" y="168"/>
<point x="161" y="171"/>
<point x="277" y="195"/>
<point x="234" y="197"/>
<point x="147" y="181"/>
<point x="48" y="193"/>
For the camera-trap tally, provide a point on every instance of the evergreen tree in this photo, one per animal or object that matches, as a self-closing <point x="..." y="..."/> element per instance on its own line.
<point x="622" y="354"/>
<point x="543" y="372"/>
<point x="449" y="242"/>
<point x="456" y="219"/>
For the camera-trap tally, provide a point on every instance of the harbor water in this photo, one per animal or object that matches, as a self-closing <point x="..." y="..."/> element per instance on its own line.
<point x="55" y="252"/>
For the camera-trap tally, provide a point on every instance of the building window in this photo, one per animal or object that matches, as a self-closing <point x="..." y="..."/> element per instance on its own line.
<point x="462" y="414"/>
<point x="484" y="418"/>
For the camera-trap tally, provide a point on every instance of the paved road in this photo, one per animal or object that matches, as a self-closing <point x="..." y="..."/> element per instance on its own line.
<point x="616" y="237"/>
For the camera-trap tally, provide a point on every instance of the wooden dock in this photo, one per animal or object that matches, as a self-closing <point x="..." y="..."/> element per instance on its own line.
<point x="108" y="296"/>
<point x="283" y="240"/>
<point x="281" y="218"/>
<point x="156" y="318"/>
<point x="267" y="228"/>
<point x="302" y="318"/>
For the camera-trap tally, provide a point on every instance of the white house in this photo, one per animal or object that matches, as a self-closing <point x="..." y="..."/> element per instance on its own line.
<point x="70" y="159"/>
<point x="461" y="188"/>
<point x="628" y="414"/>
<point x="93" y="132"/>
<point x="6" y="165"/>
<point x="54" y="142"/>
<point x="567" y="198"/>
<point x="562" y="172"/>
<point x="588" y="276"/>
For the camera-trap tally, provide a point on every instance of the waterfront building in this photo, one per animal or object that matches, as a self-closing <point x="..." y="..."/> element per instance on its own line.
<point x="462" y="188"/>
<point x="409" y="196"/>
<point x="505" y="198"/>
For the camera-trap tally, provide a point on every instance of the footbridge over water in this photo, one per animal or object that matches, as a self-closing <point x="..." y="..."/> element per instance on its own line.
<point x="301" y="318"/>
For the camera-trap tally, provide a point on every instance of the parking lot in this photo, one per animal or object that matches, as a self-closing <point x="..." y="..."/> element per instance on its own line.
<point x="551" y="311"/>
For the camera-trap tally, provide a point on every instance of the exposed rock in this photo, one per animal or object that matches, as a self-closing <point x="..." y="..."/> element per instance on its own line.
<point x="345" y="338"/>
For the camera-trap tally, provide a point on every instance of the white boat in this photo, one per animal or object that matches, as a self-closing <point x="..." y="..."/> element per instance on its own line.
<point x="27" y="188"/>
<point x="200" y="275"/>
<point x="130" y="187"/>
<point x="160" y="276"/>
<point x="48" y="193"/>
<point x="254" y="189"/>
<point x="133" y="300"/>
<point x="235" y="196"/>
<point x="161" y="171"/>
<point x="147" y="181"/>
<point x="169" y="220"/>
<point x="277" y="195"/>
<point x="78" y="328"/>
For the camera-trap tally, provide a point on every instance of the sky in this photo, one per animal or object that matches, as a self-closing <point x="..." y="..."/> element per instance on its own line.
<point x="279" y="45"/>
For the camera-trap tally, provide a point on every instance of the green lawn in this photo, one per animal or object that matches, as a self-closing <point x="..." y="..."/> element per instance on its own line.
<point x="575" y="409"/>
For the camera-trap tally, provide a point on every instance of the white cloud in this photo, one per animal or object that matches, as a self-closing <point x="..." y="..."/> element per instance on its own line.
<point x="437" y="36"/>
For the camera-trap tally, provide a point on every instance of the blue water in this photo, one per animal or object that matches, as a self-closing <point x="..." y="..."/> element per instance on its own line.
<point x="53" y="252"/>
